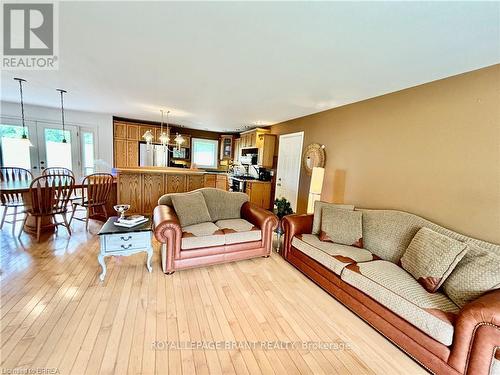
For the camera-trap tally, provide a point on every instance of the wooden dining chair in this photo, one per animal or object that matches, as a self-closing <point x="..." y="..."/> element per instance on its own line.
<point x="49" y="197"/>
<point x="12" y="175"/>
<point x="96" y="189"/>
<point x="50" y="171"/>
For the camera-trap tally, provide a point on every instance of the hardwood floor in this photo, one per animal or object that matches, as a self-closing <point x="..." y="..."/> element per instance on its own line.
<point x="57" y="316"/>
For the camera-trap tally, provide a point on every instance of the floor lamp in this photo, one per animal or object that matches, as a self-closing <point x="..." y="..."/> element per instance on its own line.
<point x="317" y="177"/>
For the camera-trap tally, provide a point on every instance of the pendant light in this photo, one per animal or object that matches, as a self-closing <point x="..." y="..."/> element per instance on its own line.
<point x="24" y="136"/>
<point x="179" y="140"/>
<point x="62" y="114"/>
<point x="164" y="137"/>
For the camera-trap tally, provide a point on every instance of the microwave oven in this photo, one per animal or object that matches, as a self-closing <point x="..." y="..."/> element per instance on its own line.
<point x="248" y="159"/>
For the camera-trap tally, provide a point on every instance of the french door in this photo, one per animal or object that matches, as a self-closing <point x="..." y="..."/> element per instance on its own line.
<point x="47" y="147"/>
<point x="54" y="152"/>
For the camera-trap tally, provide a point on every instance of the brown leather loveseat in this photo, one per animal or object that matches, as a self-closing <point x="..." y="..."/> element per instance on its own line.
<point x="444" y="333"/>
<point x="236" y="230"/>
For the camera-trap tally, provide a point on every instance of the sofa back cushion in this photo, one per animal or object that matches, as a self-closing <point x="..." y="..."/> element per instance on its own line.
<point x="191" y="208"/>
<point x="387" y="233"/>
<point x="318" y="210"/>
<point x="477" y="273"/>
<point x="221" y="204"/>
<point x="431" y="257"/>
<point x="341" y="226"/>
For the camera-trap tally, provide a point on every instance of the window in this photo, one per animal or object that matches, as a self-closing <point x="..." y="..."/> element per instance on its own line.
<point x="58" y="153"/>
<point x="204" y="152"/>
<point x="88" y="152"/>
<point x="15" y="151"/>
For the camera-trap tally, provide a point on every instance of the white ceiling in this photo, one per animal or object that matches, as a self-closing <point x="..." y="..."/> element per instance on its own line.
<point x="223" y="65"/>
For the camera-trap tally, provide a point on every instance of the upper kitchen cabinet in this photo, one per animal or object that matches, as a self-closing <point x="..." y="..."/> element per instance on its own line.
<point x="226" y="147"/>
<point x="263" y="141"/>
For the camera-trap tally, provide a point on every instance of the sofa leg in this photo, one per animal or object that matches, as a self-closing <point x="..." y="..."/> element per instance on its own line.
<point x="266" y="256"/>
<point x="169" y="273"/>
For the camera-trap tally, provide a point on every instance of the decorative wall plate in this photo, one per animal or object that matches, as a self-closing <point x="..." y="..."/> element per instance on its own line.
<point x="313" y="156"/>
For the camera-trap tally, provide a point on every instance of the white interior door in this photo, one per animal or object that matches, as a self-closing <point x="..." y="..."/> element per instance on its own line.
<point x="288" y="172"/>
<point x="52" y="152"/>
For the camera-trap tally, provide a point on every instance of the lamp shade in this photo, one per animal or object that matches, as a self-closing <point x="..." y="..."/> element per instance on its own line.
<point x="318" y="174"/>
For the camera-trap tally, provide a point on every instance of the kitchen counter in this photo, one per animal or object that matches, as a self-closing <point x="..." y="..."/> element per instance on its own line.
<point x="163" y="170"/>
<point x="253" y="181"/>
<point x="141" y="187"/>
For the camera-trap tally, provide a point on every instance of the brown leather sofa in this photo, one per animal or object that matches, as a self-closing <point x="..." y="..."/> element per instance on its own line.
<point x="177" y="253"/>
<point x="474" y="347"/>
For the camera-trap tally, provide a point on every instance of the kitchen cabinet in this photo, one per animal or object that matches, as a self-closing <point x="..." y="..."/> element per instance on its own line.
<point x="226" y="147"/>
<point x="120" y="151"/>
<point x="120" y="130"/>
<point x="132" y="153"/>
<point x="133" y="132"/>
<point x="221" y="182"/>
<point x="210" y="180"/>
<point x="237" y="150"/>
<point x="259" y="192"/>
<point x="195" y="182"/>
<point x="266" y="144"/>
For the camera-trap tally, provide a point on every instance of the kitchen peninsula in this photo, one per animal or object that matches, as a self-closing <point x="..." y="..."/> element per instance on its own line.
<point x="141" y="187"/>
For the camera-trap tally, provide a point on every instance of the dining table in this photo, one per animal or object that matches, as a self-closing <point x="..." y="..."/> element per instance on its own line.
<point x="23" y="187"/>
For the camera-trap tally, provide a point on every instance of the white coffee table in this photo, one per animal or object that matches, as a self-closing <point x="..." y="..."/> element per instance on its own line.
<point x="120" y="241"/>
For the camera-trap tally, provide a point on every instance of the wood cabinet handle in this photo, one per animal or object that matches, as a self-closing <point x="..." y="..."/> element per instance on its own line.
<point x="125" y="247"/>
<point x="126" y="238"/>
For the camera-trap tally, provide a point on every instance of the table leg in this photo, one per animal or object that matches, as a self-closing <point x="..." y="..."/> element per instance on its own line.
<point x="148" y="261"/>
<point x="30" y="224"/>
<point x="100" y="258"/>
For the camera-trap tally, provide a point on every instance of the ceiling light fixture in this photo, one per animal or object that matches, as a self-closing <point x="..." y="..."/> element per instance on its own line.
<point x="24" y="135"/>
<point x="62" y="114"/>
<point x="164" y="137"/>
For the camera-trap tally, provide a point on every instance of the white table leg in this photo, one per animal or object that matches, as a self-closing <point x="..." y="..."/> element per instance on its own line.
<point x="148" y="261"/>
<point x="100" y="258"/>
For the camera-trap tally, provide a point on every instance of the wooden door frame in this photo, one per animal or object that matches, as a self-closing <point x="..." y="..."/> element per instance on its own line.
<point x="288" y="135"/>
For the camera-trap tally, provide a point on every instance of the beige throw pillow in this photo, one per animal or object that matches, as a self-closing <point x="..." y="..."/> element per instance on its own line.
<point x="191" y="208"/>
<point x="477" y="273"/>
<point x="342" y="226"/>
<point x="318" y="210"/>
<point x="431" y="256"/>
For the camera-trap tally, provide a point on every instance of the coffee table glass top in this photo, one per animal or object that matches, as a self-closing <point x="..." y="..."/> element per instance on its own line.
<point x="110" y="228"/>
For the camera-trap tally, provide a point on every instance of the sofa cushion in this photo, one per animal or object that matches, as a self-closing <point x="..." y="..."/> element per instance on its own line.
<point x="239" y="230"/>
<point x="318" y="209"/>
<point x="201" y="235"/>
<point x="477" y="273"/>
<point x="431" y="257"/>
<point x="397" y="290"/>
<point x="331" y="255"/>
<point x="223" y="204"/>
<point x="341" y="226"/>
<point x="191" y="208"/>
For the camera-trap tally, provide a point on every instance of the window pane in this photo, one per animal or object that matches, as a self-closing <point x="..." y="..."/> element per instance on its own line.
<point x="88" y="153"/>
<point x="205" y="152"/>
<point x="58" y="153"/>
<point x="15" y="151"/>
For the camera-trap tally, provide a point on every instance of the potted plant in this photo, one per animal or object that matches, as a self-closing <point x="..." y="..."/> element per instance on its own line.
<point x="282" y="208"/>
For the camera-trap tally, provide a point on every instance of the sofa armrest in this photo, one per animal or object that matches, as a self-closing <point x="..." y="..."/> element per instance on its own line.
<point x="294" y="225"/>
<point x="167" y="230"/>
<point x="477" y="334"/>
<point x="263" y="219"/>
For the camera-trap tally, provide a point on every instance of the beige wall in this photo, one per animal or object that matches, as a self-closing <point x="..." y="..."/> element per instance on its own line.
<point x="433" y="150"/>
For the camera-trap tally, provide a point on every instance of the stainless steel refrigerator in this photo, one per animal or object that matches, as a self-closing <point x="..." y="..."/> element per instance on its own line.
<point x="152" y="155"/>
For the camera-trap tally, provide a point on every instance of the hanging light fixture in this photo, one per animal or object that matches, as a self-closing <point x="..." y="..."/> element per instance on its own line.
<point x="24" y="135"/>
<point x="179" y="140"/>
<point x="62" y="92"/>
<point x="164" y="137"/>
